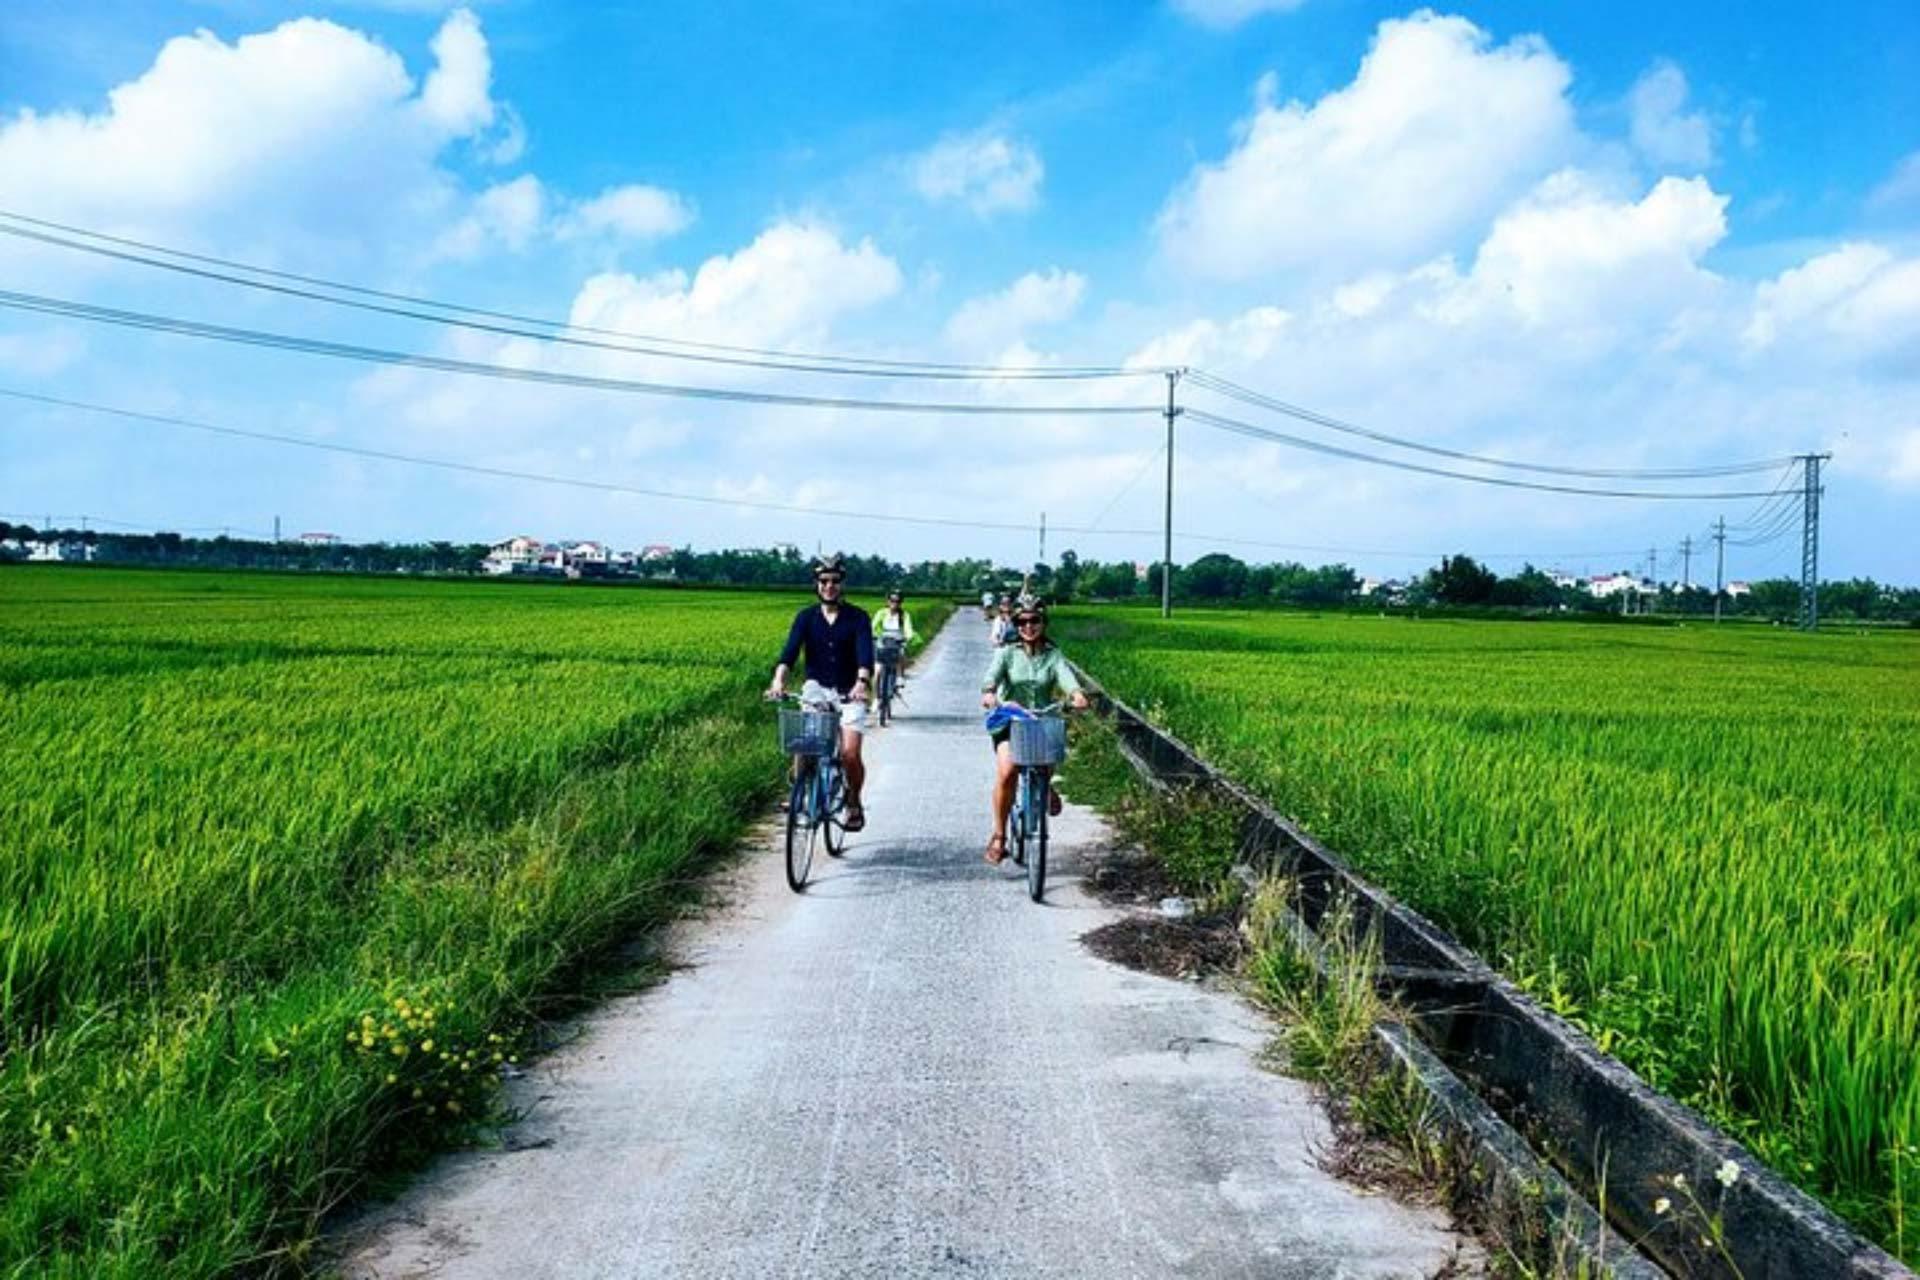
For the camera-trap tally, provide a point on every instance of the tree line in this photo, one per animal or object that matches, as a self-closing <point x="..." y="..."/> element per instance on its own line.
<point x="1456" y="582"/>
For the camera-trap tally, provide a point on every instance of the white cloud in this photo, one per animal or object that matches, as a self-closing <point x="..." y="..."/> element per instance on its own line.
<point x="986" y="171"/>
<point x="270" y="144"/>
<point x="635" y="211"/>
<point x="1661" y="128"/>
<point x="458" y="94"/>
<point x="1569" y="251"/>
<point x="41" y="354"/>
<point x="507" y="215"/>
<point x="517" y="214"/>
<point x="1223" y="14"/>
<point x="1437" y="130"/>
<point x="1906" y="458"/>
<point x="996" y="320"/>
<point x="783" y="290"/>
<point x="1810" y="289"/>
<point x="1900" y="193"/>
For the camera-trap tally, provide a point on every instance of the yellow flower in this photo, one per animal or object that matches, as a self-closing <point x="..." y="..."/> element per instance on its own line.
<point x="426" y="1046"/>
<point x="392" y="1078"/>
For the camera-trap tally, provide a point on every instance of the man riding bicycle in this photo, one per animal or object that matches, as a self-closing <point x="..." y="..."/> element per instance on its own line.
<point x="838" y="639"/>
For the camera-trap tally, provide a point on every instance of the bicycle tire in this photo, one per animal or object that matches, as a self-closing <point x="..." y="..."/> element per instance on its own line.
<point x="833" y="819"/>
<point x="800" y="830"/>
<point x="1037" y="861"/>
<point x="1018" y="819"/>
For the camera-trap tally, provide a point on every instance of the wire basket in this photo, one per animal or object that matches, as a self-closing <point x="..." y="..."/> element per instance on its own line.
<point x="1038" y="742"/>
<point x="807" y="733"/>
<point x="890" y="649"/>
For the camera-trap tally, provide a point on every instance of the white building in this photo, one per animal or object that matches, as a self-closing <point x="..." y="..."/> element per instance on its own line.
<point x="320" y="539"/>
<point x="1614" y="583"/>
<point x="519" y="554"/>
<point x="49" y="551"/>
<point x="1739" y="589"/>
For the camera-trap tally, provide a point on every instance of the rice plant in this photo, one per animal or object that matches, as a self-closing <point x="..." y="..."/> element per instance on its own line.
<point x="1700" y="842"/>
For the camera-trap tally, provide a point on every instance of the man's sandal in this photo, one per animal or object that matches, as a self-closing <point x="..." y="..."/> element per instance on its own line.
<point x="856" y="820"/>
<point x="996" y="851"/>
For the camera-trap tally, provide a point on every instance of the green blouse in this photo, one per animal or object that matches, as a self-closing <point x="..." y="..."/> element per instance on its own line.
<point x="1032" y="680"/>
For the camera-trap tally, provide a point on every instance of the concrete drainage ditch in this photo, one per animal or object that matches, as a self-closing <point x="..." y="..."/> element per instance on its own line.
<point x="1497" y="1065"/>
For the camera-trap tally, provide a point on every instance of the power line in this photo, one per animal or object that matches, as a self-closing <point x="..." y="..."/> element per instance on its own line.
<point x="1212" y="382"/>
<point x="1314" y="446"/>
<point x="444" y="364"/>
<point x="810" y="361"/>
<point x="636" y="346"/>
<point x="1127" y="488"/>
<point x="506" y="473"/>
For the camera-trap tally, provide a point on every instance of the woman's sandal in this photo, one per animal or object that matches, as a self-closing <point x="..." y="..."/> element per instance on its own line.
<point x="996" y="851"/>
<point x="1054" y="803"/>
<point x="856" y="820"/>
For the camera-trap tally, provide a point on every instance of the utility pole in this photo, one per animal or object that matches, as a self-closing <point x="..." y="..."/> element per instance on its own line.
<point x="1043" y="539"/>
<point x="1719" y="564"/>
<point x="1810" y="540"/>
<point x="1653" y="579"/>
<point x="1686" y="564"/>
<point x="276" y="528"/>
<point x="1166" y="560"/>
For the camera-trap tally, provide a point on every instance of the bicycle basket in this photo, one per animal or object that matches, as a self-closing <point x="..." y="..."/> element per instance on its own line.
<point x="807" y="733"/>
<point x="890" y="649"/>
<point x="1036" y="742"/>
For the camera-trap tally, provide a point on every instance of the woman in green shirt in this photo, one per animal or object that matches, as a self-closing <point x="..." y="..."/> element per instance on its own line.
<point x="1030" y="673"/>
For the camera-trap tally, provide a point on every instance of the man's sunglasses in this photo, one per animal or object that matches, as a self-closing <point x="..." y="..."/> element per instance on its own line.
<point x="1029" y="622"/>
<point x="829" y="580"/>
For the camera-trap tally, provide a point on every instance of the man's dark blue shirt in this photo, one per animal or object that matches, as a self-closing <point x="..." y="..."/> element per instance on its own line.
<point x="836" y="652"/>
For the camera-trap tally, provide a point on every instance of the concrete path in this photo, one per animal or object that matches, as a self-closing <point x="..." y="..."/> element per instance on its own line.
<point x="911" y="1070"/>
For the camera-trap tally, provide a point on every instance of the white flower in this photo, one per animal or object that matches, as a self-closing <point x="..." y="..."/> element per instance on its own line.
<point x="1727" y="1174"/>
<point x="1661" y="1206"/>
<point x="1680" y="1180"/>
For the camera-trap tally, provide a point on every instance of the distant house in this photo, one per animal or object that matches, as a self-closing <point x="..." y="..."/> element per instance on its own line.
<point x="1739" y="589"/>
<point x="1613" y="584"/>
<point x="320" y="539"/>
<point x="520" y="554"/>
<point x="655" y="551"/>
<point x="54" y="551"/>
<point x="1564" y="580"/>
<point x="585" y="559"/>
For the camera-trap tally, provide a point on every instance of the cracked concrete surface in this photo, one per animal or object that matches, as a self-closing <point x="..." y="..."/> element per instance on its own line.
<point x="910" y="1070"/>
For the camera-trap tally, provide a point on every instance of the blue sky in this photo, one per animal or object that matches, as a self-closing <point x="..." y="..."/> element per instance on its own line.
<point x="1622" y="236"/>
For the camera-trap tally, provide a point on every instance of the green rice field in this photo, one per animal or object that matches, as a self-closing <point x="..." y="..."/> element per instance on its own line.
<point x="1701" y="843"/>
<point x="288" y="865"/>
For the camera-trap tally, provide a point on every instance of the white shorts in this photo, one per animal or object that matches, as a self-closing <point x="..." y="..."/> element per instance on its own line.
<point x="853" y="715"/>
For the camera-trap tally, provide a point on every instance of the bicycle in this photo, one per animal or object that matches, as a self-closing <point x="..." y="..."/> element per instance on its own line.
<point x="887" y="657"/>
<point x="817" y="802"/>
<point x="1039" y="742"/>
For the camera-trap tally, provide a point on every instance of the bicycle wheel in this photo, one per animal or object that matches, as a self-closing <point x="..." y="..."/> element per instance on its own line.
<point x="1018" y="819"/>
<point x="833" y="810"/>
<point x="800" y="828"/>
<point x="1037" y="859"/>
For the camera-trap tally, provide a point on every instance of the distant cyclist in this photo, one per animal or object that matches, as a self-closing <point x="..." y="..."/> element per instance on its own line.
<point x="1000" y="628"/>
<point x="1031" y="673"/>
<point x="894" y="622"/>
<point x="838" y="639"/>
